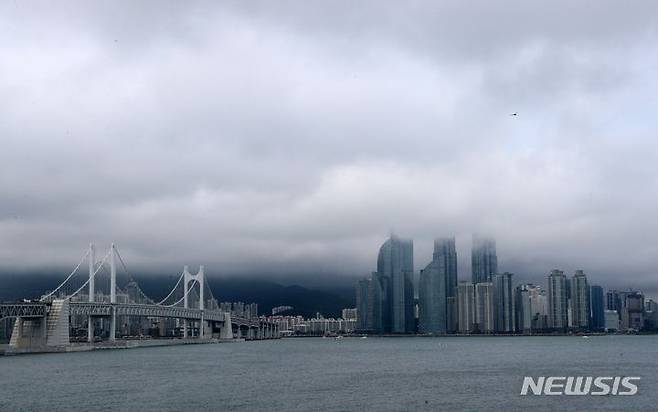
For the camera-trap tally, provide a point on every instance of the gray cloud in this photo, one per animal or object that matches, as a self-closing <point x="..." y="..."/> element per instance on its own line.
<point x="291" y="138"/>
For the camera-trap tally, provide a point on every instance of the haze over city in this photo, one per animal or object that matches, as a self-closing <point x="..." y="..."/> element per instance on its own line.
<point x="284" y="140"/>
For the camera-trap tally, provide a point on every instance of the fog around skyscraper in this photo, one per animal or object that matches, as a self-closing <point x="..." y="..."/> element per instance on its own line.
<point x="288" y="139"/>
<point x="438" y="290"/>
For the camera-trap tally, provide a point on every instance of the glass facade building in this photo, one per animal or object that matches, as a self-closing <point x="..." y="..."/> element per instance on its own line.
<point x="597" y="307"/>
<point x="395" y="267"/>
<point x="504" y="316"/>
<point x="580" y="308"/>
<point x="484" y="261"/>
<point x="557" y="300"/>
<point x="437" y="289"/>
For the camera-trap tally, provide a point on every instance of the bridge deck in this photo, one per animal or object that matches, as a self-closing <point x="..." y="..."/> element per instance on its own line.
<point x="23" y="310"/>
<point x="37" y="310"/>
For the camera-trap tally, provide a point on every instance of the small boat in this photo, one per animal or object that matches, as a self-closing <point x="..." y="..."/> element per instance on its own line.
<point x="585" y="337"/>
<point x="364" y="337"/>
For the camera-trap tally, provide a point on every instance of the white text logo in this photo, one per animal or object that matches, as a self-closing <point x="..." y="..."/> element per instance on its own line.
<point x="580" y="385"/>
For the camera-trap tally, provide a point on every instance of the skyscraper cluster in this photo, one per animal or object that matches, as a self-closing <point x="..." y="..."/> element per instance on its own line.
<point x="490" y="302"/>
<point x="386" y="300"/>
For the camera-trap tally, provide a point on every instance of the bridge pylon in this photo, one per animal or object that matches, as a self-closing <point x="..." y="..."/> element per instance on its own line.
<point x="92" y="288"/>
<point x="113" y="293"/>
<point x="198" y="278"/>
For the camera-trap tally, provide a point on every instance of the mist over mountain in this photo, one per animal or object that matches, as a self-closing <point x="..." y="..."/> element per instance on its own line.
<point x="327" y="300"/>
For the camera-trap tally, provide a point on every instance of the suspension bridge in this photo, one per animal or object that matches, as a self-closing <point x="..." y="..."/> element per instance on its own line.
<point x="95" y="305"/>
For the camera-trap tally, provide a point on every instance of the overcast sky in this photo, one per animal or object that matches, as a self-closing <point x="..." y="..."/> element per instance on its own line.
<point x="292" y="137"/>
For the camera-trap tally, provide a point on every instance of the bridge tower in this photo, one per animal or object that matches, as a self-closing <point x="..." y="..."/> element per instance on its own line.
<point x="92" y="291"/>
<point x="200" y="279"/>
<point x="90" y="320"/>
<point x="113" y="293"/>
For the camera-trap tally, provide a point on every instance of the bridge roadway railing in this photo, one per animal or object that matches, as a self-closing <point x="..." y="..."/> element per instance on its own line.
<point x="37" y="310"/>
<point x="23" y="310"/>
<point x="134" y="309"/>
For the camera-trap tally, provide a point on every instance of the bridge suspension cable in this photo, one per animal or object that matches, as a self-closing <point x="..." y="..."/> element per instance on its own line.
<point x="67" y="278"/>
<point x="194" y="283"/>
<point x="211" y="297"/>
<point x="172" y="290"/>
<point x="125" y="269"/>
<point x="100" y="266"/>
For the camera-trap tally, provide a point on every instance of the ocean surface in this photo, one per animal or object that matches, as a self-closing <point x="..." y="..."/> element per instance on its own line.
<point x="352" y="374"/>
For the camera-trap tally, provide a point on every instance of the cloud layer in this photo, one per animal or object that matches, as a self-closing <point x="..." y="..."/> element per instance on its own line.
<point x="291" y="138"/>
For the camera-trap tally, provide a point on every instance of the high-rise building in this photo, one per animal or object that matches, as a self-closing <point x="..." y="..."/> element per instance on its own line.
<point x="530" y="308"/>
<point x="370" y="304"/>
<point x="466" y="306"/>
<point x="349" y="314"/>
<point x="377" y="290"/>
<point x="395" y="263"/>
<point x="612" y="301"/>
<point x="432" y="305"/>
<point x="597" y="307"/>
<point x="523" y="309"/>
<point x="650" y="314"/>
<point x="611" y="320"/>
<point x="557" y="300"/>
<point x="446" y="247"/>
<point x="251" y="310"/>
<point x="484" y="307"/>
<point x="362" y="287"/>
<point x="503" y="303"/>
<point x="539" y="307"/>
<point x="484" y="261"/>
<point x="567" y="286"/>
<point x="632" y="311"/>
<point x="437" y="288"/>
<point x="580" y="307"/>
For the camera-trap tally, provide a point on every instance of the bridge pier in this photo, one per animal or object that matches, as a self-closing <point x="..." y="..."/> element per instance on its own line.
<point x="226" y="330"/>
<point x="205" y="330"/>
<point x="52" y="329"/>
<point x="29" y="333"/>
<point x="113" y="325"/>
<point x="90" y="329"/>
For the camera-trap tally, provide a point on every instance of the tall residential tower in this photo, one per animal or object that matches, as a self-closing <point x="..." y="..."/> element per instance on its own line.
<point x="557" y="300"/>
<point x="437" y="290"/>
<point x="503" y="301"/>
<point x="395" y="267"/>
<point x="580" y="306"/>
<point x="484" y="261"/>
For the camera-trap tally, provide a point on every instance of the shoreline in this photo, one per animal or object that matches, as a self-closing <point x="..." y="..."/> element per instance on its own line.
<point x="6" y="350"/>
<point x="457" y="335"/>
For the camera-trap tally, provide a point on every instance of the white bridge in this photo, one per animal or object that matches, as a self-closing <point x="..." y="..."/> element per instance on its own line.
<point x="46" y="324"/>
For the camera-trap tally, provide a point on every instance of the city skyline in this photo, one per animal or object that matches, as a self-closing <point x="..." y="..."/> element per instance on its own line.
<point x="493" y="302"/>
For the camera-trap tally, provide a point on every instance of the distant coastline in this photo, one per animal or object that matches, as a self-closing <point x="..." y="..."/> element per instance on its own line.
<point x="473" y="335"/>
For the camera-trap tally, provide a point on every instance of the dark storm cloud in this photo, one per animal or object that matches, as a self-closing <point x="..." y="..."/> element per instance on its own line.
<point x="293" y="136"/>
